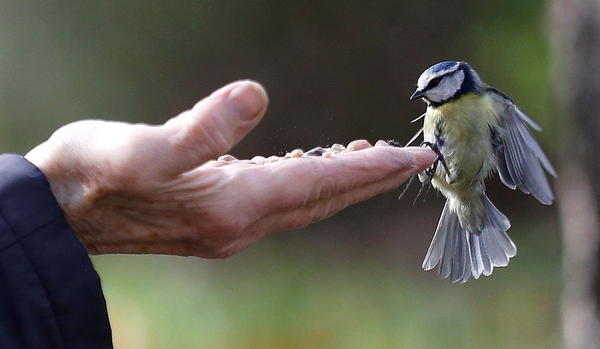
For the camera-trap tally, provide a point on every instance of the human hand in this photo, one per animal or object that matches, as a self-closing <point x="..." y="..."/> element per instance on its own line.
<point x="151" y="189"/>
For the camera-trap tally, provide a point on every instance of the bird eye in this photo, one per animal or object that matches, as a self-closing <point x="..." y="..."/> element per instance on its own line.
<point x="433" y="83"/>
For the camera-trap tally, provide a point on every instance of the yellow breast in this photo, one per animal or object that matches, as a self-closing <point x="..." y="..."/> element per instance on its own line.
<point x="461" y="129"/>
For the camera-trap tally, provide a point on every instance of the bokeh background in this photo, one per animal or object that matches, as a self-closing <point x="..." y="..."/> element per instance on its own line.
<point x="335" y="71"/>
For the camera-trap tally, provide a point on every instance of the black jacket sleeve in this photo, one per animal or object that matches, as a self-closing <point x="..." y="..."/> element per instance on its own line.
<point x="50" y="294"/>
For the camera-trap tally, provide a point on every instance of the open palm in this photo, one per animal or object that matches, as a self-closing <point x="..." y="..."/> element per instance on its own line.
<point x="132" y="188"/>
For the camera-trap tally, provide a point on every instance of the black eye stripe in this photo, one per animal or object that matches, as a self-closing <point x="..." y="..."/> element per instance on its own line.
<point x="433" y="83"/>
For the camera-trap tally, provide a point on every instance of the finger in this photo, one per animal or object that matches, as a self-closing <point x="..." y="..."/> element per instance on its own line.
<point x="331" y="201"/>
<point x="214" y="125"/>
<point x="297" y="182"/>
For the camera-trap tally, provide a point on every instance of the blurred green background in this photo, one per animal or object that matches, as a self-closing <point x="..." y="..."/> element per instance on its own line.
<point x="335" y="71"/>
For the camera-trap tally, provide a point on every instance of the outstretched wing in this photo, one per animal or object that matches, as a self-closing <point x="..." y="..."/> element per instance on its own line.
<point x="519" y="158"/>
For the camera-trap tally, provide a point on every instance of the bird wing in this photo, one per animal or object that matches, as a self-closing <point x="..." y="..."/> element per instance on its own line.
<point x="519" y="157"/>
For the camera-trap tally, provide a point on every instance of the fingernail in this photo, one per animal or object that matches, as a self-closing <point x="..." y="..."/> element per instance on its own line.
<point x="249" y="99"/>
<point x="423" y="156"/>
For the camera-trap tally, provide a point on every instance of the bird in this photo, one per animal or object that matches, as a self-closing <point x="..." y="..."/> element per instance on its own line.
<point x="476" y="130"/>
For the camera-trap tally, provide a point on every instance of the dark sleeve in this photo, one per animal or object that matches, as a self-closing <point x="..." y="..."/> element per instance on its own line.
<point x="50" y="294"/>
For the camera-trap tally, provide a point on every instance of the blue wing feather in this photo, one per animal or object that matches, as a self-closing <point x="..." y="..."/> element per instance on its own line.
<point x="520" y="160"/>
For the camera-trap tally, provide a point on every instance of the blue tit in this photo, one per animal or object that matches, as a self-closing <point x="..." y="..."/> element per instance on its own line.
<point x="476" y="130"/>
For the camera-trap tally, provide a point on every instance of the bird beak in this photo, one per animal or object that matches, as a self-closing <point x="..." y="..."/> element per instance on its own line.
<point x="417" y="94"/>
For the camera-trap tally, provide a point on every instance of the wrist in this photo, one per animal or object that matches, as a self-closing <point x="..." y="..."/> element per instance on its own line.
<point x="70" y="187"/>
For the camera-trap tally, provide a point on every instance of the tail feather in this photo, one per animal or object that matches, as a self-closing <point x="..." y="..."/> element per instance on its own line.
<point x="478" y="248"/>
<point x="461" y="269"/>
<point x="496" y="255"/>
<point x="436" y="248"/>
<point x="461" y="254"/>
<point x="446" y="265"/>
<point x="458" y="262"/>
<point x="479" y="264"/>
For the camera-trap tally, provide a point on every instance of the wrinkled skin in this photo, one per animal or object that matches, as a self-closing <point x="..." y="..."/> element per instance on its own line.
<point x="129" y="188"/>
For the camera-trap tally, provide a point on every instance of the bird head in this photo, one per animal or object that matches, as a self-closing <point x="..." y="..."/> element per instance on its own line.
<point x="446" y="81"/>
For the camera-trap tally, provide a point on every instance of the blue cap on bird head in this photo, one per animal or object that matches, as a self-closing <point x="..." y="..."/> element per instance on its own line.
<point x="463" y="79"/>
<point x="435" y="71"/>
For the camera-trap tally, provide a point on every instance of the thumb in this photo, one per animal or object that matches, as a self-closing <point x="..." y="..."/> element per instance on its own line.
<point x="214" y="125"/>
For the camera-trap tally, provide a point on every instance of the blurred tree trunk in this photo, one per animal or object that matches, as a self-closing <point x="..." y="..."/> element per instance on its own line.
<point x="575" y="30"/>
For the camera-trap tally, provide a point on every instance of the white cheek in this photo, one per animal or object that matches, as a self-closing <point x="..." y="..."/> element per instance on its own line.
<point x="442" y="92"/>
<point x="447" y="87"/>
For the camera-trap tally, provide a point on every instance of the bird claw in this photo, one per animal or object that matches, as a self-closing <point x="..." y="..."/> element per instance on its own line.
<point x="440" y="159"/>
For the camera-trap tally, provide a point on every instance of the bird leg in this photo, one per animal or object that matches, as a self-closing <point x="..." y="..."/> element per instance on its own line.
<point x="440" y="159"/>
